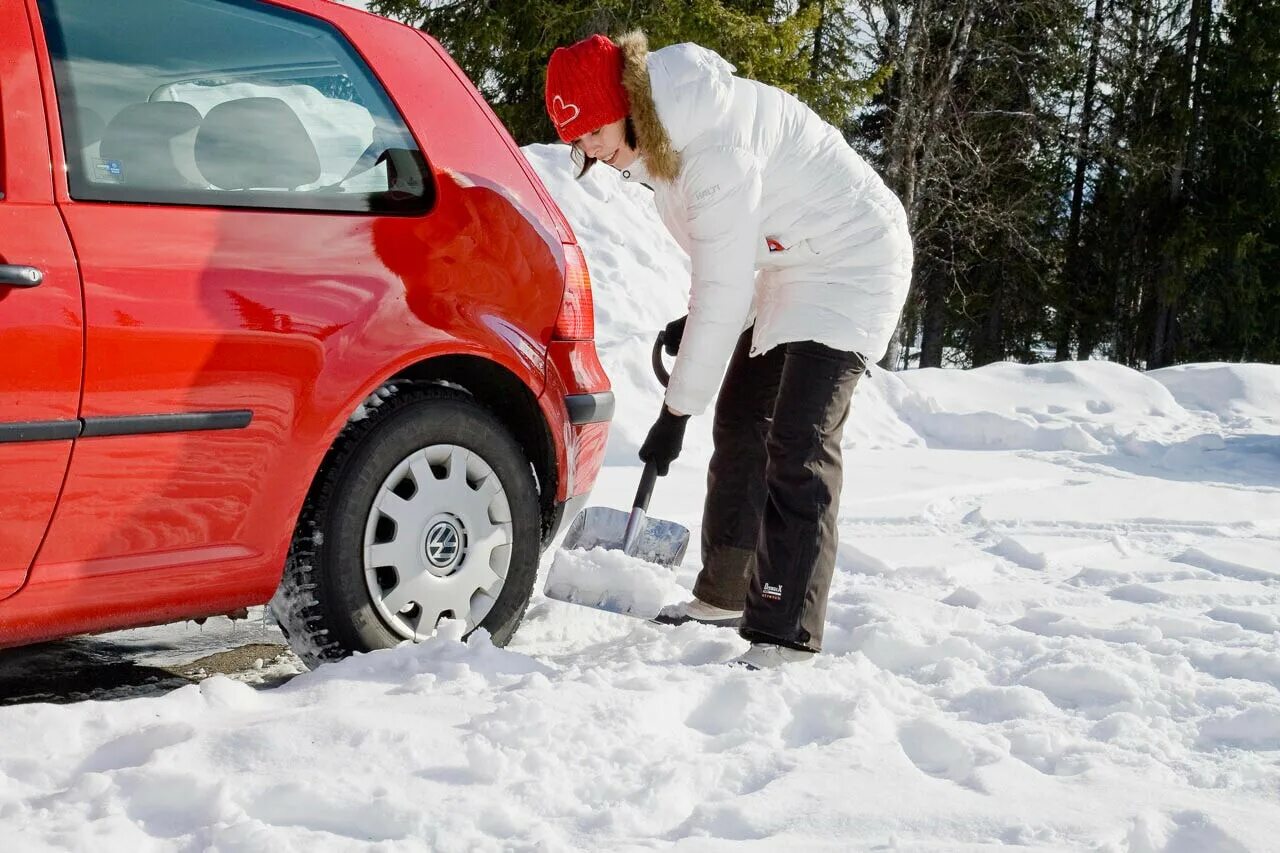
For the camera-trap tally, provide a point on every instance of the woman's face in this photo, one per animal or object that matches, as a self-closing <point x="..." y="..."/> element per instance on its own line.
<point x="608" y="145"/>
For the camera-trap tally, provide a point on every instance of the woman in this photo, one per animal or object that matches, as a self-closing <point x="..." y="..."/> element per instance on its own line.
<point x="749" y="180"/>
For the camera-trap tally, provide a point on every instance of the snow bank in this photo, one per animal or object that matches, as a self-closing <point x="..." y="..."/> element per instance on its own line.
<point x="639" y="282"/>
<point x="1234" y="391"/>
<point x="1080" y="406"/>
<point x="639" y="276"/>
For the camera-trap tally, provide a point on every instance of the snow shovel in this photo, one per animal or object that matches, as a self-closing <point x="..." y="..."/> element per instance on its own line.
<point x="619" y="581"/>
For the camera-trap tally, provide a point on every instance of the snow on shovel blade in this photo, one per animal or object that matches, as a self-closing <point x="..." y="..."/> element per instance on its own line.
<point x="610" y="581"/>
<point x="594" y="567"/>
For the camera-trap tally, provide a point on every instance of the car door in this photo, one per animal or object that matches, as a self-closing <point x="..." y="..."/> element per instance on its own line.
<point x="40" y="313"/>
<point x="223" y="206"/>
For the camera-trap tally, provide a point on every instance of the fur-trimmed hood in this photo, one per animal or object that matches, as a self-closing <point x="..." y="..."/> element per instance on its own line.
<point x="661" y="160"/>
<point x="676" y="93"/>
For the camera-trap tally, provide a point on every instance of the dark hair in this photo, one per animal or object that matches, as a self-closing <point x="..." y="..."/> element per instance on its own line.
<point x="585" y="162"/>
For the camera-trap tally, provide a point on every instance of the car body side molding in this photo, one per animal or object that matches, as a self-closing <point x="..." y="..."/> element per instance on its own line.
<point x="39" y="431"/>
<point x="147" y="424"/>
<point x="128" y="425"/>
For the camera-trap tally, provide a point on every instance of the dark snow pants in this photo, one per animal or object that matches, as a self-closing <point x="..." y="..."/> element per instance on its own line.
<point x="773" y="489"/>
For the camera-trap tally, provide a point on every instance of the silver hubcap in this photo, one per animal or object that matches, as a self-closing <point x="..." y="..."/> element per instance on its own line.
<point x="437" y="543"/>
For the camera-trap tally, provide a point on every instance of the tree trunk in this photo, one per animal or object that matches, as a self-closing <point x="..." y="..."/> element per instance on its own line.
<point x="934" y="320"/>
<point x="989" y="336"/>
<point x="1124" y="282"/>
<point x="899" y="159"/>
<point x="1069" y="313"/>
<point x="819" y="34"/>
<point x="901" y="146"/>
<point x="925" y="78"/>
<point x="1087" y="340"/>
<point x="893" y="356"/>
<point x="1169" y="274"/>
<point x="1162" y="339"/>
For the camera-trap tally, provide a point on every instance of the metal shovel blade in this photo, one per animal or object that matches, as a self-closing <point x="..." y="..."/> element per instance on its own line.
<point x="659" y="541"/>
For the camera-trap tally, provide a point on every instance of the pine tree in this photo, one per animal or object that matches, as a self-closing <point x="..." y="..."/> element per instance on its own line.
<point x="1010" y="125"/>
<point x="504" y="45"/>
<point x="967" y="129"/>
<point x="927" y="45"/>
<point x="1234" y="310"/>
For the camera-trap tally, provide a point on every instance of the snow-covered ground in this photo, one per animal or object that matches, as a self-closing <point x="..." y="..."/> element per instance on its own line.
<point x="1055" y="624"/>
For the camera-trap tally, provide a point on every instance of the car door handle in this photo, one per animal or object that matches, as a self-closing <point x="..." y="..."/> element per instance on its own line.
<point x="18" y="275"/>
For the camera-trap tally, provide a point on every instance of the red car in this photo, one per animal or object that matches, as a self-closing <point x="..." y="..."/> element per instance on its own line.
<point x="284" y="315"/>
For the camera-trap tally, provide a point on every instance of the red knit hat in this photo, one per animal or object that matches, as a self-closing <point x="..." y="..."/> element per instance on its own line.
<point x="584" y="87"/>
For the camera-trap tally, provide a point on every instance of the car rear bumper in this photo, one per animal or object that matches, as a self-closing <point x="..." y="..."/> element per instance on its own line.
<point x="589" y="408"/>
<point x="578" y="403"/>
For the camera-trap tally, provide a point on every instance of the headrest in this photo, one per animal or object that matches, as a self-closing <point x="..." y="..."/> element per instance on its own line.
<point x="140" y="139"/>
<point x="88" y="127"/>
<point x="255" y="143"/>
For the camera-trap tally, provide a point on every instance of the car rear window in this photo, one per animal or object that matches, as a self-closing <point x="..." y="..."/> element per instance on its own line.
<point x="225" y="103"/>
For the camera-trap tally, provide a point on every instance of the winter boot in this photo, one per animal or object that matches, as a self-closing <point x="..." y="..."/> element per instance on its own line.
<point x="769" y="656"/>
<point x="696" y="610"/>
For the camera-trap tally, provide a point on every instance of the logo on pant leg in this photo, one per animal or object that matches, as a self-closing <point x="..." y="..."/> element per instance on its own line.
<point x="771" y="592"/>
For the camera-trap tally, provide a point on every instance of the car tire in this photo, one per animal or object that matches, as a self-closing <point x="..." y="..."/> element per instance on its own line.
<point x="407" y="526"/>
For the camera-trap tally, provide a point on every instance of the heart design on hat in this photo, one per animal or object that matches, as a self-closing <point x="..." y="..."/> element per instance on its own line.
<point x="561" y="107"/>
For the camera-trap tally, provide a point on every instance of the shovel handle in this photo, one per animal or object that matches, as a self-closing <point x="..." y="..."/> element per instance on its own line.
<point x="660" y="369"/>
<point x="650" y="475"/>
<point x="647" y="481"/>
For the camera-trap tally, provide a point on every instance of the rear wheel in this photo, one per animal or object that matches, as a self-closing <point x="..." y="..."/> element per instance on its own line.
<point x="427" y="512"/>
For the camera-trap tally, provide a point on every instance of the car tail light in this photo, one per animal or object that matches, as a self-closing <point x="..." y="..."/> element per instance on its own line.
<point x="577" y="320"/>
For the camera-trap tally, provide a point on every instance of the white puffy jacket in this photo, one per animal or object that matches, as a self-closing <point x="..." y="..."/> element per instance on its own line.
<point x="746" y="167"/>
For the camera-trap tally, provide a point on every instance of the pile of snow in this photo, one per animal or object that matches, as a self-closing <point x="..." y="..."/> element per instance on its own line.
<point x="610" y="580"/>
<point x="639" y="276"/>
<point x="1081" y="406"/>
<point x="639" y="279"/>
<point x="1236" y="391"/>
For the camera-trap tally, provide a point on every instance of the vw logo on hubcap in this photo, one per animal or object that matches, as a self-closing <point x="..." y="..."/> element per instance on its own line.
<point x="443" y="544"/>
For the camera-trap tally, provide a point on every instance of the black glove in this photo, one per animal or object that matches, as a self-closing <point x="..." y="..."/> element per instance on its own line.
<point x="666" y="437"/>
<point x="673" y="334"/>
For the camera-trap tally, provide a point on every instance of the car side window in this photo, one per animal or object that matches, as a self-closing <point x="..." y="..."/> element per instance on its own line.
<point x="225" y="103"/>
